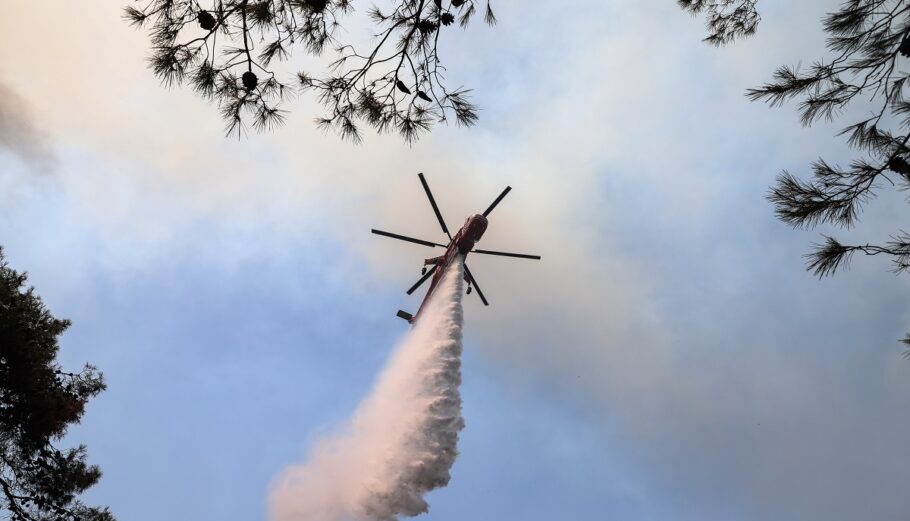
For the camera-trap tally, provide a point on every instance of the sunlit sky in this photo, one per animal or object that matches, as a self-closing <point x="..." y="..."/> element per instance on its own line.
<point x="668" y="359"/>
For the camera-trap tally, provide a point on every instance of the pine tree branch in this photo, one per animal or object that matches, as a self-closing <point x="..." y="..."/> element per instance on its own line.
<point x="357" y="88"/>
<point x="870" y="39"/>
<point x="832" y="255"/>
<point x="12" y="500"/>
<point x="725" y="20"/>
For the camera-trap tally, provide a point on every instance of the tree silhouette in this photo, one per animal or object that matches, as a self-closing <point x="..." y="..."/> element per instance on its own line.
<point x="225" y="50"/>
<point x="869" y="42"/>
<point x="38" y="400"/>
<point x="725" y="20"/>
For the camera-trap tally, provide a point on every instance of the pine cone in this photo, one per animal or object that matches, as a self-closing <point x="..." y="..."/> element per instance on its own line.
<point x="446" y="18"/>
<point x="249" y="80"/>
<point x="899" y="165"/>
<point x="426" y="26"/>
<point x="206" y="20"/>
<point x="401" y="86"/>
<point x="457" y="3"/>
<point x="423" y="95"/>
<point x="317" y="6"/>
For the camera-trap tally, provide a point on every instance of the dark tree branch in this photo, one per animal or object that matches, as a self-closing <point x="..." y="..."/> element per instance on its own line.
<point x="726" y="20"/>
<point x="397" y="85"/>
<point x="869" y="42"/>
<point x="38" y="401"/>
<point x="13" y="501"/>
<point x="832" y="255"/>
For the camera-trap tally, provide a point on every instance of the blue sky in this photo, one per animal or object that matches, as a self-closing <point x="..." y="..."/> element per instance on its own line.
<point x="668" y="359"/>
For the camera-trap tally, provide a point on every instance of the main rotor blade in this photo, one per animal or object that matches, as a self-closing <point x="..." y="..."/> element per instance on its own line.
<point x="406" y="238"/>
<point x="423" y="279"/>
<point x="503" y="194"/>
<point x="506" y="254"/>
<point x="426" y="188"/>
<point x="476" y="287"/>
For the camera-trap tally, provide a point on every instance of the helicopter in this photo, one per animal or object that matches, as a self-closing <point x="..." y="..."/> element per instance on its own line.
<point x="462" y="243"/>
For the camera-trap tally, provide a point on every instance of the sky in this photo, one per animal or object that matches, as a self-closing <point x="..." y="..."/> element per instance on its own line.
<point x="669" y="358"/>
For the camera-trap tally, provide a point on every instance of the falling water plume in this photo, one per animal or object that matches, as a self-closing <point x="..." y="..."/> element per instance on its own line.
<point x="402" y="440"/>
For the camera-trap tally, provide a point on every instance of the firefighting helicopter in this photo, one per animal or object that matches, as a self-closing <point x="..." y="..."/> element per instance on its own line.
<point x="461" y="244"/>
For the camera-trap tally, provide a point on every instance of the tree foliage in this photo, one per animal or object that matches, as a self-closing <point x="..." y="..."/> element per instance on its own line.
<point x="870" y="42"/>
<point x="226" y="50"/>
<point x="725" y="20"/>
<point x="38" y="401"/>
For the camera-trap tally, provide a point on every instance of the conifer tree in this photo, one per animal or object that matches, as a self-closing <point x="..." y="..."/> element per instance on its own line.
<point x="725" y="20"/>
<point x="869" y="41"/>
<point x="38" y="401"/>
<point x="869" y="44"/>
<point x="226" y="50"/>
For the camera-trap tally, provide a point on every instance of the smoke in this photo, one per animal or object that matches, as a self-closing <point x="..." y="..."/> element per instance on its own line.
<point x="18" y="132"/>
<point x="401" y="442"/>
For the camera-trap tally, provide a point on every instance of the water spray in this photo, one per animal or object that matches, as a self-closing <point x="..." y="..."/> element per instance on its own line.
<point x="402" y="440"/>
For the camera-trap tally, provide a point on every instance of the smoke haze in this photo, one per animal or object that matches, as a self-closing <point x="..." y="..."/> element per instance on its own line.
<point x="18" y="133"/>
<point x="402" y="440"/>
